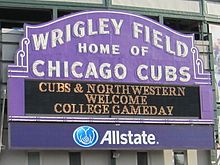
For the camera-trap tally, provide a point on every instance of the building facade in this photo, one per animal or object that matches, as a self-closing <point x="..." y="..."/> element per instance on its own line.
<point x="197" y="124"/>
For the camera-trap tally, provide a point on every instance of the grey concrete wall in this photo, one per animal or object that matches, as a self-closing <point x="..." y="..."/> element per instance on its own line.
<point x="127" y="158"/>
<point x="213" y="8"/>
<point x="203" y="157"/>
<point x="13" y="158"/>
<point x="156" y="157"/>
<point x="178" y="5"/>
<point x="192" y="158"/>
<point x="95" y="158"/>
<point x="54" y="158"/>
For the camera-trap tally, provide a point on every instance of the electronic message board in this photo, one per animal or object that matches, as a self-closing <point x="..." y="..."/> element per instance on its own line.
<point x="110" y="99"/>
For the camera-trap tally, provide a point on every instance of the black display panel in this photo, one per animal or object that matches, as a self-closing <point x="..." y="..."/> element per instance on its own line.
<point x="68" y="98"/>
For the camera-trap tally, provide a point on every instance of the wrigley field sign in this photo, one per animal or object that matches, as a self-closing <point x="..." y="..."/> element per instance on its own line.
<point x="107" y="66"/>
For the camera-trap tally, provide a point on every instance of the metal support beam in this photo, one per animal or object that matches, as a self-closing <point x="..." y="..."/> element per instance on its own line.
<point x="161" y="20"/>
<point x="203" y="7"/>
<point x="2" y="120"/>
<point x="114" y="156"/>
<point x="55" y="15"/>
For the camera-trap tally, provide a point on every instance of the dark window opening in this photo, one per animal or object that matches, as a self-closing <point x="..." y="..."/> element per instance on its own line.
<point x="35" y="15"/>
<point x="179" y="158"/>
<point x="66" y="12"/>
<point x="142" y="158"/>
<point x="16" y="17"/>
<point x="33" y="158"/>
<point x="185" y="26"/>
<point x="75" y="158"/>
<point x="153" y="18"/>
<point x="13" y="25"/>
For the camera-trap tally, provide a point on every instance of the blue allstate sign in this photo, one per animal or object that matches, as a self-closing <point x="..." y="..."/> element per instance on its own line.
<point x="85" y="136"/>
